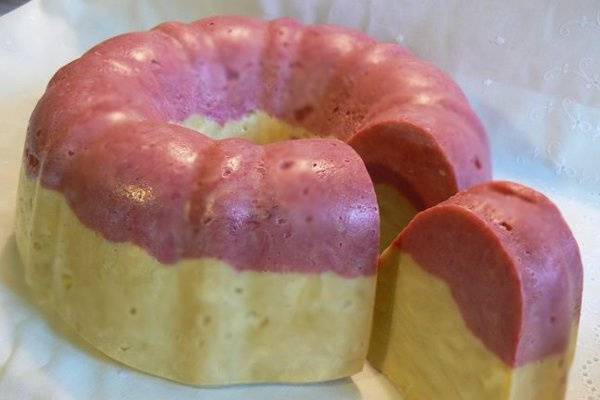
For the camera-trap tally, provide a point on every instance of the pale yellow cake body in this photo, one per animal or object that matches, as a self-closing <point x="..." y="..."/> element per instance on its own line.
<point x="421" y="342"/>
<point x="257" y="127"/>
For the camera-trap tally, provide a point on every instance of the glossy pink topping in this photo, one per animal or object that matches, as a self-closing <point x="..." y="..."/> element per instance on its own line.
<point x="511" y="262"/>
<point x="90" y="137"/>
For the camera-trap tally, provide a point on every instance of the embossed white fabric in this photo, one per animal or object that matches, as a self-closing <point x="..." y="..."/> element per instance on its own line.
<point x="530" y="68"/>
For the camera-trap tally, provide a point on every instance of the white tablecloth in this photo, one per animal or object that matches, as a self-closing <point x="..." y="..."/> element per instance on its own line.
<point x="530" y="69"/>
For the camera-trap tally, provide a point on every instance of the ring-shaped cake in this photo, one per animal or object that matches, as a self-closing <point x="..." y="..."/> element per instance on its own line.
<point x="245" y="249"/>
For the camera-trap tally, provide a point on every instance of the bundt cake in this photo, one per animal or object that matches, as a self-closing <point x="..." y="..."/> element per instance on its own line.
<point x="231" y="252"/>
<point x="479" y="298"/>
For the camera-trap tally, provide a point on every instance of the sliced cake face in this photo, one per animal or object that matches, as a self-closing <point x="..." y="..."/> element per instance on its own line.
<point x="479" y="297"/>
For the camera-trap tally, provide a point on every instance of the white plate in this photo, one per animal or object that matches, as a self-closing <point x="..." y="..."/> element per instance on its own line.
<point x="529" y="69"/>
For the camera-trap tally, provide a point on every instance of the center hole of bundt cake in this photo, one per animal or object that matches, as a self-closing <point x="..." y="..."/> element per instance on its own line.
<point x="257" y="127"/>
<point x="396" y="210"/>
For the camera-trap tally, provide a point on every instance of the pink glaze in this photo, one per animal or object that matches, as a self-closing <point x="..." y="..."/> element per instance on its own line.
<point x="511" y="262"/>
<point x="91" y="136"/>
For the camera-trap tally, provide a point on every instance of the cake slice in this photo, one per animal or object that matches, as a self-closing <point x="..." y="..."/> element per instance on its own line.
<point x="479" y="298"/>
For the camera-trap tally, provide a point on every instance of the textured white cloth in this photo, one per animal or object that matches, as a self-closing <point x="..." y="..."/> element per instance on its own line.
<point x="530" y="69"/>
